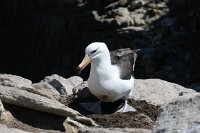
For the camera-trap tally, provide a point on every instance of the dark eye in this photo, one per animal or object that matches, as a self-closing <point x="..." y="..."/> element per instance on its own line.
<point x="93" y="51"/>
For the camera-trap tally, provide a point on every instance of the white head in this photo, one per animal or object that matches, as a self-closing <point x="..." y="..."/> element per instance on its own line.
<point x="94" y="52"/>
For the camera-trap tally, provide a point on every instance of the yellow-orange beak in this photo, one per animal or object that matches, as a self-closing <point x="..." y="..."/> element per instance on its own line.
<point x="86" y="60"/>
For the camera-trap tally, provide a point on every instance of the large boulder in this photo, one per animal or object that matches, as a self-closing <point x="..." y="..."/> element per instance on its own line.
<point x="5" y="129"/>
<point x="1" y="107"/>
<point x="15" y="81"/>
<point x="45" y="89"/>
<point x="62" y="85"/>
<point x="158" y="92"/>
<point x="113" y="130"/>
<point x="180" y="116"/>
<point x="37" y="102"/>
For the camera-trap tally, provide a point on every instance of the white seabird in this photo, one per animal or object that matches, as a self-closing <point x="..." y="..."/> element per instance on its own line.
<point x="110" y="77"/>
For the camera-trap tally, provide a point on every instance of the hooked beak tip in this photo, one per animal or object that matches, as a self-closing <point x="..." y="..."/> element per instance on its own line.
<point x="78" y="70"/>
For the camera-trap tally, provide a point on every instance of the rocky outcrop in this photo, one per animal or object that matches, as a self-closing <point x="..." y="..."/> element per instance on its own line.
<point x="113" y="130"/>
<point x="181" y="115"/>
<point x="158" y="91"/>
<point x="15" y="81"/>
<point x="5" y="129"/>
<point x="62" y="85"/>
<point x="43" y="110"/>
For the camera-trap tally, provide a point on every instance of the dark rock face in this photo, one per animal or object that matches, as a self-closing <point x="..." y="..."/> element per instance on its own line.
<point x="40" y="37"/>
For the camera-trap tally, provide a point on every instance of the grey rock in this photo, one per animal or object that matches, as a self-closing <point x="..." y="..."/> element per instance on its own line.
<point x="180" y="116"/>
<point x="113" y="130"/>
<point x="115" y="18"/>
<point x="161" y="5"/>
<point x="135" y="4"/>
<point x="82" y="92"/>
<point x="149" y="20"/>
<point x="1" y="107"/>
<point x="62" y="85"/>
<point x="15" y="81"/>
<point x="69" y="128"/>
<point x="123" y="12"/>
<point x="36" y="102"/>
<point x="151" y="5"/>
<point x="158" y="92"/>
<point x="45" y="89"/>
<point x="123" y="21"/>
<point x="5" y="129"/>
<point x="138" y="21"/>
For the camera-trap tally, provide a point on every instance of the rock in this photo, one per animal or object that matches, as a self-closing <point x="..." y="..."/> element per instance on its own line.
<point x="180" y="116"/>
<point x="116" y="18"/>
<point x="18" y="82"/>
<point x="119" y="3"/>
<point x="82" y="92"/>
<point x="36" y="102"/>
<point x="62" y="85"/>
<point x="45" y="89"/>
<point x="15" y="81"/>
<point x="1" y="107"/>
<point x="135" y="4"/>
<point x="138" y="21"/>
<point x="5" y="129"/>
<point x="123" y="12"/>
<point x="69" y="128"/>
<point x="113" y="130"/>
<point x="6" y="117"/>
<point x="158" y="92"/>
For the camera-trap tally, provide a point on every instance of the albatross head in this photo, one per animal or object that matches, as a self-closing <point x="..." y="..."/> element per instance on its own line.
<point x="96" y="51"/>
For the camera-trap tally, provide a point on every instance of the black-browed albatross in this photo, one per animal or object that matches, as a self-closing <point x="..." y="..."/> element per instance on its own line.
<point x="110" y="76"/>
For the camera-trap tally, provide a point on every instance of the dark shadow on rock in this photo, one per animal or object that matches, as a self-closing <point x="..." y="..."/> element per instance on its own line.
<point x="35" y="118"/>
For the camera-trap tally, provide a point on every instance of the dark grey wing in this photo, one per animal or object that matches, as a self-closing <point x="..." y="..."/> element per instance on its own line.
<point x="125" y="60"/>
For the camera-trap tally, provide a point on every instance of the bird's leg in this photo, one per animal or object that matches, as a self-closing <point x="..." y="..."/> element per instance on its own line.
<point x="127" y="108"/>
<point x="94" y="107"/>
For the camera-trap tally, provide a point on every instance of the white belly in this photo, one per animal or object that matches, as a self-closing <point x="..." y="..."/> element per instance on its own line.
<point x="110" y="90"/>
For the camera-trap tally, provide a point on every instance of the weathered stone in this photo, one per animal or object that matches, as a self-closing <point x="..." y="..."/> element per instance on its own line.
<point x="136" y="4"/>
<point x="113" y="130"/>
<point x="158" y="92"/>
<point x="138" y="21"/>
<point x="62" y="85"/>
<point x="69" y="127"/>
<point x="5" y="129"/>
<point x="6" y="117"/>
<point x="33" y="101"/>
<point x="82" y="91"/>
<point x="45" y="89"/>
<point x="122" y="12"/>
<point x="180" y="116"/>
<point x="15" y="81"/>
<point x="1" y="107"/>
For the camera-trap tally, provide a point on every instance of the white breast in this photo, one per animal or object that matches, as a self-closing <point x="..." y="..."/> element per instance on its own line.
<point x="104" y="83"/>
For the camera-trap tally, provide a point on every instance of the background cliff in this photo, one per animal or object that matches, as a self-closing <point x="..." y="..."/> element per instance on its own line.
<point x="40" y="37"/>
